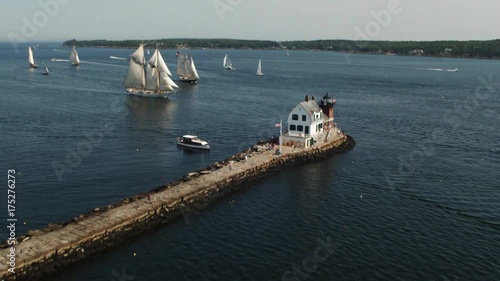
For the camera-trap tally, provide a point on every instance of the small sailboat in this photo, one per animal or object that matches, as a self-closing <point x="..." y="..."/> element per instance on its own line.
<point x="227" y="63"/>
<point x="46" y="72"/>
<point x="287" y="53"/>
<point x="259" y="69"/>
<point x="186" y="69"/>
<point x="73" y="57"/>
<point x="148" y="79"/>
<point x="148" y="52"/>
<point x="31" y="58"/>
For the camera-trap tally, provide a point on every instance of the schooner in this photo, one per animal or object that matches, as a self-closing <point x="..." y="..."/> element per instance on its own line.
<point x="73" y="57"/>
<point x="148" y="79"/>
<point x="31" y="58"/>
<point x="186" y="69"/>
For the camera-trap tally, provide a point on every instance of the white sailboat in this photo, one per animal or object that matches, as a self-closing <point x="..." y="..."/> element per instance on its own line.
<point x="31" y="58"/>
<point x="186" y="69"/>
<point x="227" y="63"/>
<point x="73" y="57"/>
<point x="259" y="69"/>
<point x="46" y="72"/>
<point x="151" y="79"/>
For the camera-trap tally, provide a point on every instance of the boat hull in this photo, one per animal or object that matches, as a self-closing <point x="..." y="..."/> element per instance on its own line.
<point x="260" y="74"/>
<point x="201" y="147"/>
<point x="187" y="80"/>
<point x="149" y="94"/>
<point x="33" y="66"/>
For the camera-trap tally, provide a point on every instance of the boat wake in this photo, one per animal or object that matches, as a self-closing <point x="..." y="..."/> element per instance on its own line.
<point x="117" y="58"/>
<point x="54" y="59"/>
<point x="441" y="69"/>
<point x="100" y="63"/>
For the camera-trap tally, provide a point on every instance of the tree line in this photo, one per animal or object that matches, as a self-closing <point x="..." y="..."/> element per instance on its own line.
<point x="478" y="49"/>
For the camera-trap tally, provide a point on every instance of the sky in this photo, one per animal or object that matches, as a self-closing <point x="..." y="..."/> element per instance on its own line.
<point x="279" y="20"/>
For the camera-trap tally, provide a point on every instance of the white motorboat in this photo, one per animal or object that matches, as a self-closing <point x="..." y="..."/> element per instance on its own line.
<point x="192" y="142"/>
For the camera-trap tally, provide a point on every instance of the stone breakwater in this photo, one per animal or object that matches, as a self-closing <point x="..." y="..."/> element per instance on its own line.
<point x="42" y="252"/>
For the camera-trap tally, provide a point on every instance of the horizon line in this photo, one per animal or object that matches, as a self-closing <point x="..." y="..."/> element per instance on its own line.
<point x="220" y="38"/>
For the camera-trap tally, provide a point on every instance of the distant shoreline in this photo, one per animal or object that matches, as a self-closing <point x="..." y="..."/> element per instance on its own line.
<point x="487" y="49"/>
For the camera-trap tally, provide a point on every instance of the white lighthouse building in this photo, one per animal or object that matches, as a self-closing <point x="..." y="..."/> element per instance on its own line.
<point x="308" y="121"/>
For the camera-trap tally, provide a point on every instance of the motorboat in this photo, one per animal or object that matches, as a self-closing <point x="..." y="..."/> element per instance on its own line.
<point x="192" y="141"/>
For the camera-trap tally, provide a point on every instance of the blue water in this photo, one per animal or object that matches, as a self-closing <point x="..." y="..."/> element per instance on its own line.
<point x="401" y="205"/>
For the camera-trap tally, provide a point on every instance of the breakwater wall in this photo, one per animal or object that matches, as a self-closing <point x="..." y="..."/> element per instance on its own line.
<point x="42" y="252"/>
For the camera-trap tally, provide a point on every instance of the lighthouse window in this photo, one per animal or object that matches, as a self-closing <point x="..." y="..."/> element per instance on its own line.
<point x="292" y="128"/>
<point x="295" y="117"/>
<point x="300" y="128"/>
<point x="304" y="118"/>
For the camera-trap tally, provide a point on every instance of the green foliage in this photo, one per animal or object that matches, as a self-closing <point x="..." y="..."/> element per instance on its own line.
<point x="484" y="49"/>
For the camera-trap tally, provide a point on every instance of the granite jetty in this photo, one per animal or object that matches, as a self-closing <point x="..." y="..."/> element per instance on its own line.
<point x="40" y="253"/>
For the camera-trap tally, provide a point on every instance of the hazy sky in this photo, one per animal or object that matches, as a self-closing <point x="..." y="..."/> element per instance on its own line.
<point x="250" y="19"/>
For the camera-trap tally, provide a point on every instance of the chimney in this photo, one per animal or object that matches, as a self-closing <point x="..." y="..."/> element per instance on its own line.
<point x="312" y="98"/>
<point x="307" y="98"/>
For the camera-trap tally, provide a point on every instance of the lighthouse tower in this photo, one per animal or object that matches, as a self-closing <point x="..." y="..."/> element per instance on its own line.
<point x="327" y="103"/>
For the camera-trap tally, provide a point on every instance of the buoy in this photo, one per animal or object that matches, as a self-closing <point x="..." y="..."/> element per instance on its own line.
<point x="135" y="254"/>
<point x="137" y="149"/>
<point x="361" y="196"/>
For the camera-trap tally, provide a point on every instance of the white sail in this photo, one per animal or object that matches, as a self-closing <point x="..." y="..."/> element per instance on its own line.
<point x="157" y="74"/>
<point x="31" y="58"/>
<point x="193" y="70"/>
<point x="225" y="62"/>
<point x="73" y="57"/>
<point x="166" y="83"/>
<point x="162" y="66"/>
<point x="181" y="69"/>
<point x="46" y="70"/>
<point x="151" y="77"/>
<point x="187" y="68"/>
<point x="259" y="68"/>
<point x="136" y="77"/>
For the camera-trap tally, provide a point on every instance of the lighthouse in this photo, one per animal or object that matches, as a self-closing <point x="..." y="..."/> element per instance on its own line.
<point x="326" y="104"/>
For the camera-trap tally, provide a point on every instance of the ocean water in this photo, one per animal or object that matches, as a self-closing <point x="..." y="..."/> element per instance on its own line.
<point x="418" y="198"/>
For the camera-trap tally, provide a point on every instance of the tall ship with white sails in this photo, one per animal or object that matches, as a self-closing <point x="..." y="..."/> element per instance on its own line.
<point x="73" y="57"/>
<point x="148" y="79"/>
<point x="227" y="63"/>
<point x="31" y="58"/>
<point x="186" y="69"/>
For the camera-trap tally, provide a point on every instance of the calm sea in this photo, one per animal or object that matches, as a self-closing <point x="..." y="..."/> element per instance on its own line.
<point x="418" y="198"/>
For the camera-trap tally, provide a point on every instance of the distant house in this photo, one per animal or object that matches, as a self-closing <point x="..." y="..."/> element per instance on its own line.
<point x="418" y="52"/>
<point x="308" y="120"/>
<point x="448" y="50"/>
